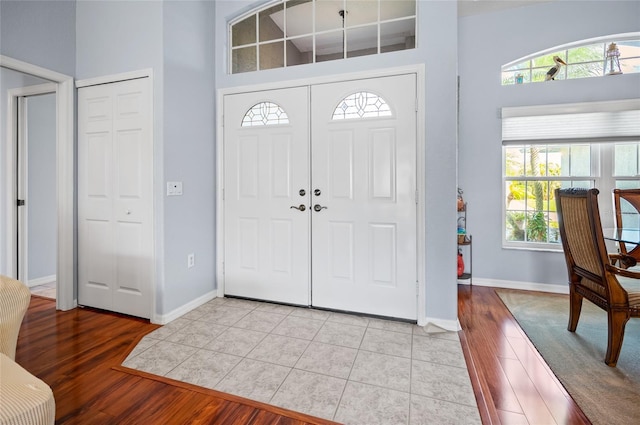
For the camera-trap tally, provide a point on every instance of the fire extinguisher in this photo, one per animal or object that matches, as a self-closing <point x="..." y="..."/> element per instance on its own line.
<point x="460" y="264"/>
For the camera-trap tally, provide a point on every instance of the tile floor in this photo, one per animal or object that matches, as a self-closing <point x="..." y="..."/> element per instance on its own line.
<point x="47" y="290"/>
<point x="351" y="369"/>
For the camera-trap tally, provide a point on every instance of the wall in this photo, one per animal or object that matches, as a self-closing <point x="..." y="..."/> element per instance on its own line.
<point x="437" y="49"/>
<point x="41" y="195"/>
<point x="189" y="150"/>
<point x="486" y="42"/>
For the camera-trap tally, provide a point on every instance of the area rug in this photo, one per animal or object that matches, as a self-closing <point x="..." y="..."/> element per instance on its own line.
<point x="605" y="394"/>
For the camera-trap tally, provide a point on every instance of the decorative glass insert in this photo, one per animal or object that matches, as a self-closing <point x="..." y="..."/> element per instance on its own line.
<point x="580" y="60"/>
<point x="294" y="32"/>
<point x="361" y="105"/>
<point x="265" y="113"/>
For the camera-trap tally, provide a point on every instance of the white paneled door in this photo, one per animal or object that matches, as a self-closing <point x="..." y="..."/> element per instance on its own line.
<point x="320" y="196"/>
<point x="266" y="156"/>
<point x="115" y="203"/>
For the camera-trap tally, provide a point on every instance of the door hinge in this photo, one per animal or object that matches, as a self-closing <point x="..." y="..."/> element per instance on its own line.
<point x="20" y="202"/>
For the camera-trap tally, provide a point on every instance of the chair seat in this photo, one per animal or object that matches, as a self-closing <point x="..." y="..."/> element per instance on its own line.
<point x="26" y="400"/>
<point x="632" y="286"/>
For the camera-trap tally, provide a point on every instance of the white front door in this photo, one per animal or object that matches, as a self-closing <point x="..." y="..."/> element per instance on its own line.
<point x="115" y="203"/>
<point x="266" y="232"/>
<point x="364" y="183"/>
<point x="357" y="252"/>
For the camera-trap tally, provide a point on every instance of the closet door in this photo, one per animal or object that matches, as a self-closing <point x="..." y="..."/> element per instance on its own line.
<point x="115" y="203"/>
<point x="266" y="195"/>
<point x="363" y="150"/>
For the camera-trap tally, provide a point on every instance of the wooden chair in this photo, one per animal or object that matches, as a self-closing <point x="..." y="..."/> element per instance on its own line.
<point x="620" y="198"/>
<point x="591" y="275"/>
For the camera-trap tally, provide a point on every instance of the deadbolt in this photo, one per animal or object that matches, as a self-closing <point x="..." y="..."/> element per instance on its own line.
<point x="302" y="192"/>
<point x="300" y="207"/>
<point x="318" y="208"/>
<point x="317" y="192"/>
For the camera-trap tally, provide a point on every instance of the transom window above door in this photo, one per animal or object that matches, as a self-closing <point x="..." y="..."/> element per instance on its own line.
<point x="295" y="32"/>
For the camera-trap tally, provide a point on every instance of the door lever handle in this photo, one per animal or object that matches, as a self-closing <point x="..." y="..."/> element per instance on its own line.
<point x="318" y="208"/>
<point x="300" y="207"/>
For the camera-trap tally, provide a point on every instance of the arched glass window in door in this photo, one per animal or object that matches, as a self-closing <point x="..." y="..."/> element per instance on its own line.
<point x="265" y="113"/>
<point x="361" y="105"/>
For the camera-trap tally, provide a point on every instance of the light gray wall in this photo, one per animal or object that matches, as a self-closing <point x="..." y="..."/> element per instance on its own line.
<point x="189" y="150"/>
<point x="486" y="42"/>
<point x="41" y="193"/>
<point x="437" y="48"/>
<point x="39" y="32"/>
<point x="9" y="79"/>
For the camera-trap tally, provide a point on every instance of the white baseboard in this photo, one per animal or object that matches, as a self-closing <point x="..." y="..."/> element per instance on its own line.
<point x="163" y="319"/>
<point x="525" y="286"/>
<point x="44" y="280"/>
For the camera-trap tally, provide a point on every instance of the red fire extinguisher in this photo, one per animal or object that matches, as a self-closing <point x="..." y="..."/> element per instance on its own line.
<point x="460" y="264"/>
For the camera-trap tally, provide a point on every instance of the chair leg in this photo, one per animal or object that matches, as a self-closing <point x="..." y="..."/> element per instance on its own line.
<point x="575" y="307"/>
<point x="617" y="323"/>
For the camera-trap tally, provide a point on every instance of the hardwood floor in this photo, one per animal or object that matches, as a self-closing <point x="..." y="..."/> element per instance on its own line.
<point x="78" y="354"/>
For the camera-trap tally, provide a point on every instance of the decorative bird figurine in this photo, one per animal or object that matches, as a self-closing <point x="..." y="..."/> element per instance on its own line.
<point x="551" y="74"/>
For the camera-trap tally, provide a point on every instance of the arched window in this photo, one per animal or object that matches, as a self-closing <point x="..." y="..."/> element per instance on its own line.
<point x="265" y="113"/>
<point x="361" y="105"/>
<point x="294" y="32"/>
<point x="581" y="60"/>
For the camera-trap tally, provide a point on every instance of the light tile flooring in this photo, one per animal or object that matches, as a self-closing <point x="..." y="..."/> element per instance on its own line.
<point x="47" y="290"/>
<point x="347" y="368"/>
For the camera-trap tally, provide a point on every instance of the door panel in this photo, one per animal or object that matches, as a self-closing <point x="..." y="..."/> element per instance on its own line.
<point x="364" y="241"/>
<point x="266" y="166"/>
<point x="115" y="203"/>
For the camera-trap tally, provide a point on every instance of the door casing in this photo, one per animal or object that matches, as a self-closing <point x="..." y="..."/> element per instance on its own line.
<point x="65" y="179"/>
<point x="420" y="163"/>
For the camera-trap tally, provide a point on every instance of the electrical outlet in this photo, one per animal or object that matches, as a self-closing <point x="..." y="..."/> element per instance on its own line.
<point x="191" y="260"/>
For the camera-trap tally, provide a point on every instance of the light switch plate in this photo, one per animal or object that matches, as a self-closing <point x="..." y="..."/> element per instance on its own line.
<point x="174" y="188"/>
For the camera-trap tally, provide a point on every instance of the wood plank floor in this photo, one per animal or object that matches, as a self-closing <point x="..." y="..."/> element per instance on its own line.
<point x="78" y="354"/>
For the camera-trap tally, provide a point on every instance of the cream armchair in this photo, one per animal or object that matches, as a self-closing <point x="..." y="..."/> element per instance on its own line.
<point x="14" y="301"/>
<point x="25" y="399"/>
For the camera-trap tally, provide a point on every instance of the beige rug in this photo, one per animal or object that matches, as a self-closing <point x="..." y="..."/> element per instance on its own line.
<point x="606" y="395"/>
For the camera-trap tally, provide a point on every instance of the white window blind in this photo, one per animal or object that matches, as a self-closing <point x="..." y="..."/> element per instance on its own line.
<point x="593" y="122"/>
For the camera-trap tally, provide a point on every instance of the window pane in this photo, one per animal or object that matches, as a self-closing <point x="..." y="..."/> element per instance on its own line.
<point x="244" y="59"/>
<point x="515" y="221"/>
<point x="265" y="113"/>
<point x="327" y="17"/>
<point x="329" y="46"/>
<point x="585" y="70"/>
<point x="398" y="35"/>
<point x="361" y="12"/>
<point x="392" y="9"/>
<point x="630" y="66"/>
<point x="580" y="160"/>
<point x="514" y="161"/>
<point x="362" y="41"/>
<point x="244" y="32"/>
<point x="625" y="160"/>
<point x="299" y="17"/>
<point x="299" y="51"/>
<point x="592" y="52"/>
<point x="272" y="55"/>
<point x="515" y="194"/>
<point x="361" y="105"/>
<point x="272" y="23"/>
<point x="547" y="60"/>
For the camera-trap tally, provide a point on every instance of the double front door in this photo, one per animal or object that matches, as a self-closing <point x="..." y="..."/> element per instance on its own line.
<point x="320" y="196"/>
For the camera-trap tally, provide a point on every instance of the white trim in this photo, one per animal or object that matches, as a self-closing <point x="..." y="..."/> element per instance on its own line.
<point x="163" y="319"/>
<point x="44" y="280"/>
<point x="520" y="285"/>
<point x="419" y="71"/>
<point x="154" y="317"/>
<point x="448" y="325"/>
<point x="114" y="78"/>
<point x="65" y="172"/>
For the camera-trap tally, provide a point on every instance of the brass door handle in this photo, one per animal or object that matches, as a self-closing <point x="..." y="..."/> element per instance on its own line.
<point x="318" y="208"/>
<point x="300" y="207"/>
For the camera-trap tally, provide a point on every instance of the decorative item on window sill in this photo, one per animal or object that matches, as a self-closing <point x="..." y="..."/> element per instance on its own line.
<point x="460" y="200"/>
<point x="519" y="78"/>
<point x="613" y="59"/>
<point x="555" y="70"/>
